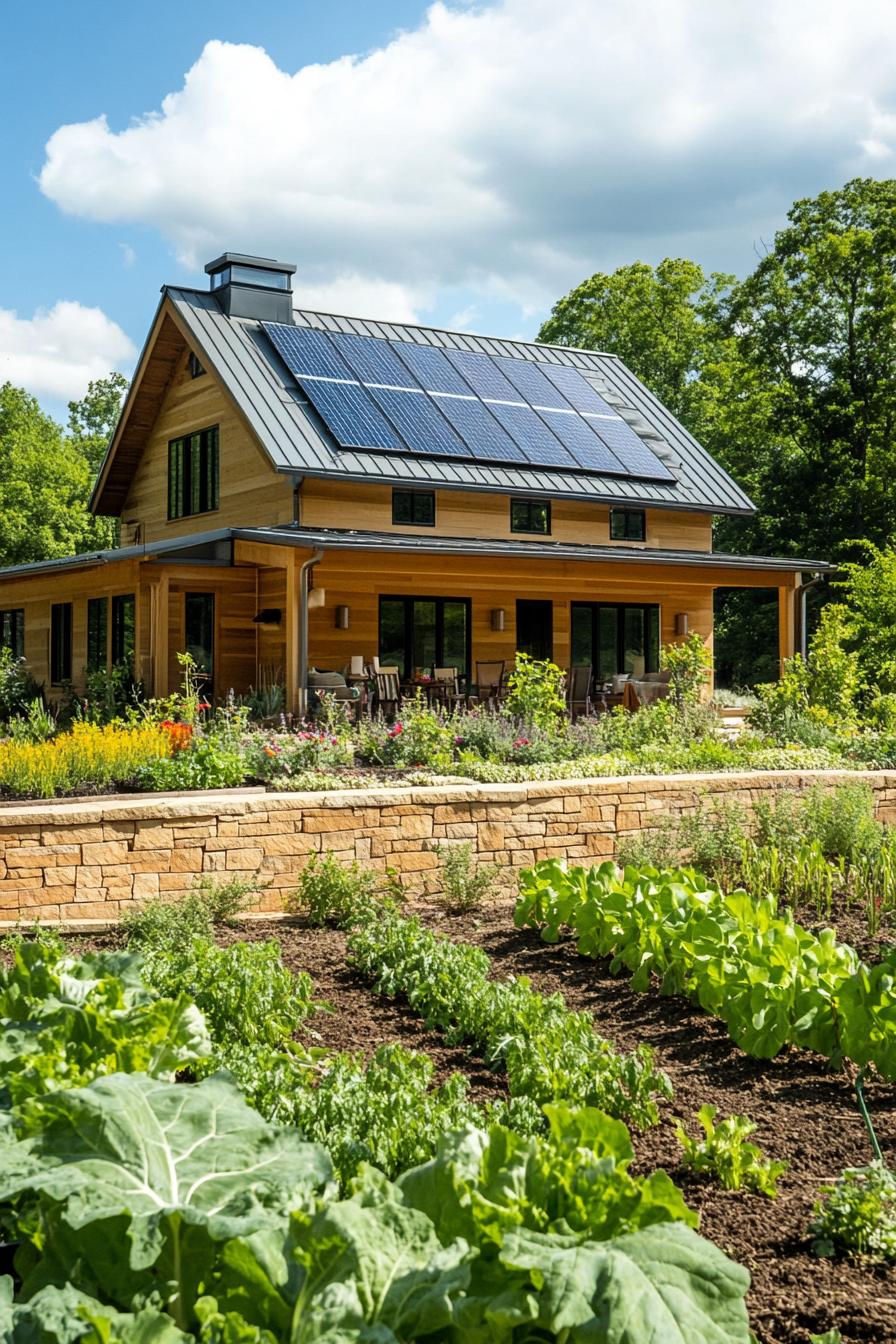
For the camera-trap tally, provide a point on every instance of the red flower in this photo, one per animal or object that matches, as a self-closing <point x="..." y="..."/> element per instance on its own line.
<point x="521" y="742"/>
<point x="396" y="730"/>
<point x="179" y="734"/>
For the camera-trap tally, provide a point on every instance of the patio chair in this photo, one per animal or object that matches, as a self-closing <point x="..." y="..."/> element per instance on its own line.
<point x="490" y="682"/>
<point x="646" y="689"/>
<point x="578" y="691"/>
<point x="445" y="688"/>
<point x="388" y="691"/>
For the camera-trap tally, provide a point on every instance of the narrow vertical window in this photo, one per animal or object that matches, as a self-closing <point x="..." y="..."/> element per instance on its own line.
<point x="123" y="629"/>
<point x="60" y="643"/>
<point x="12" y="631"/>
<point x="193" y="474"/>
<point x="97" y="628"/>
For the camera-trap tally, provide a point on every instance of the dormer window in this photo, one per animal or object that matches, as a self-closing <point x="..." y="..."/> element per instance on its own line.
<point x="193" y="474"/>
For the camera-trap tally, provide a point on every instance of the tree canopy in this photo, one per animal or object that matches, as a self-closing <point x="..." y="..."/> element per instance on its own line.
<point x="788" y="376"/>
<point x="46" y="474"/>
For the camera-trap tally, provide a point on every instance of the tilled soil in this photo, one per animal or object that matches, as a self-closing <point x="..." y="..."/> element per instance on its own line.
<point x="804" y="1112"/>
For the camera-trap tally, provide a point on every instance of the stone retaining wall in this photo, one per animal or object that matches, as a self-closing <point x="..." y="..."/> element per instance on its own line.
<point x="90" y="859"/>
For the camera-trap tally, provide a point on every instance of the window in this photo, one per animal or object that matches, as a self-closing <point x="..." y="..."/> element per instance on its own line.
<point x="195" y="367"/>
<point x="193" y="474"/>
<point x="123" y="628"/>
<point x="530" y="515"/>
<point x="615" y="638"/>
<point x="199" y="636"/>
<point x="97" y="626"/>
<point x="425" y="632"/>
<point x="12" y="631"/>
<point x="414" y="508"/>
<point x="60" y="643"/>
<point x="627" y="525"/>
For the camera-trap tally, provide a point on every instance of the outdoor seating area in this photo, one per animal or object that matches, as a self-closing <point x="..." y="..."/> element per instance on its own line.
<point x="369" y="688"/>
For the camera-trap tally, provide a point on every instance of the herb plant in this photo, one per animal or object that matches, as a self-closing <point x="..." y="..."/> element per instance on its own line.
<point x="859" y="1214"/>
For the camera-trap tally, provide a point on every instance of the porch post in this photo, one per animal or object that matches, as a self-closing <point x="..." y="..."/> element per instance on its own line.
<point x="159" y="632"/>
<point x="292" y="638"/>
<point x="786" y="621"/>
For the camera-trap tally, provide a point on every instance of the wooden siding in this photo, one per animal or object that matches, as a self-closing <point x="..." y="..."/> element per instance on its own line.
<point x="465" y="513"/>
<point x="252" y="493"/>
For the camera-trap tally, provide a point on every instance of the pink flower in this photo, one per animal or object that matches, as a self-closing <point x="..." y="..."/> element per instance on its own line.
<point x="396" y="730"/>
<point x="521" y="742"/>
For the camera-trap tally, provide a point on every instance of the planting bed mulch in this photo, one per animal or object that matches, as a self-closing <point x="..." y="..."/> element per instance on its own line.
<point x="804" y="1112"/>
<point x="849" y="920"/>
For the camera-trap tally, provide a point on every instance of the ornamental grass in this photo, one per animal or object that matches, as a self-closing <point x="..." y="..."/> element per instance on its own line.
<point x="89" y="757"/>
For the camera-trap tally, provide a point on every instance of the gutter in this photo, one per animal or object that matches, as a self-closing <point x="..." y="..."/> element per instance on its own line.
<point x="304" y="576"/>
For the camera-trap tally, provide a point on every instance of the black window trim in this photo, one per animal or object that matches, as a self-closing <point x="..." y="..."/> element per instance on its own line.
<point x="99" y="662"/>
<point x="620" y="609"/>
<point x="529" y="504"/>
<point x="14" y="618"/>
<point x="409" y="599"/>
<point x="118" y="655"/>
<point x="177" y="505"/>
<point x="60" y="658"/>
<point x="626" y="515"/>
<point x="414" y="496"/>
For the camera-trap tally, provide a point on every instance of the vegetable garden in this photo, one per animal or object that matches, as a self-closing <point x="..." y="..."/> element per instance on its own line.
<point x="643" y="1106"/>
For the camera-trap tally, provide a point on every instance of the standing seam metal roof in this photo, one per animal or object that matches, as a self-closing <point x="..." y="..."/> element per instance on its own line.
<point x="296" y="442"/>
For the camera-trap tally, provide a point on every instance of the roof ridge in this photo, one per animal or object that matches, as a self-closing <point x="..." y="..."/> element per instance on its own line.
<point x="417" y="326"/>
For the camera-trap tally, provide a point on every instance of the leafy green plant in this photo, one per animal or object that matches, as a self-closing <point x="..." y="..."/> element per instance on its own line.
<point x="420" y="736"/>
<point x="465" y="883"/>
<point x="331" y="892"/>
<point x="549" y="1053"/>
<point x="535" y="693"/>
<point x="725" y="1152"/>
<point x="858" y="1216"/>
<point x="690" y="663"/>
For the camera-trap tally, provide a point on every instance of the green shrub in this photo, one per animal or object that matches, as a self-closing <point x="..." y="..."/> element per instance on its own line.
<point x="420" y="736"/>
<point x="842" y="820"/>
<point x="835" y="679"/>
<point x="690" y="663"/>
<point x="535" y="693"/>
<point x="177" y="921"/>
<point x="18" y="689"/>
<point x="465" y="884"/>
<point x="331" y="892"/>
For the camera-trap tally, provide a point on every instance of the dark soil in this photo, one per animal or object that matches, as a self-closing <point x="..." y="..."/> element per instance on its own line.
<point x="849" y="920"/>
<point x="804" y="1112"/>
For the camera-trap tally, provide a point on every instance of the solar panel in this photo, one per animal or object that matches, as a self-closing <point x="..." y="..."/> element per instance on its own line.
<point x="431" y="369"/>
<point x="398" y="395"/>
<point x="308" y="352"/>
<point x="350" y="415"/>
<point x="587" y="450"/>
<point x="417" y="419"/>
<point x="483" y="375"/>
<point x="373" y="360"/>
<point x="530" y="432"/>
<point x="634" y="455"/>
<point x="476" y="424"/>
<point x="531" y="383"/>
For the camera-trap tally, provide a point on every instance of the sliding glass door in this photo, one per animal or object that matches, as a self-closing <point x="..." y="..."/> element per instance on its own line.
<point x="420" y="633"/>
<point x="615" y="638"/>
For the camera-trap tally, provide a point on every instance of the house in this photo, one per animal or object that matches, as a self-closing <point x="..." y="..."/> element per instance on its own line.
<point x="297" y="489"/>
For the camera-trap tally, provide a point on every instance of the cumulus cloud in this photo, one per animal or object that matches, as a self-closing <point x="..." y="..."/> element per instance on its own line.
<point x="59" y="350"/>
<point x="508" y="149"/>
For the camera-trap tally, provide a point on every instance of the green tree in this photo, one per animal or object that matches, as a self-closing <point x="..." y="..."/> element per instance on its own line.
<point x="91" y="422"/>
<point x="44" y="483"/>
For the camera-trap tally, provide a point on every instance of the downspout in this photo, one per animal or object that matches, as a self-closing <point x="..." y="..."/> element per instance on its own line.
<point x="802" y="641"/>
<point x="304" y="574"/>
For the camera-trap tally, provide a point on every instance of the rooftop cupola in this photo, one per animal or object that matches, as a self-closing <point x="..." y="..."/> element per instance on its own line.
<point x="255" y="287"/>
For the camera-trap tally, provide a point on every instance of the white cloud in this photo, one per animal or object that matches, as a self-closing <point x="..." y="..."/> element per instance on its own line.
<point x="59" y="350"/>
<point x="507" y="150"/>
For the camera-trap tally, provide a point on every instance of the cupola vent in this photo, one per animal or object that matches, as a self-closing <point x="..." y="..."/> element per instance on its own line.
<point x="254" y="287"/>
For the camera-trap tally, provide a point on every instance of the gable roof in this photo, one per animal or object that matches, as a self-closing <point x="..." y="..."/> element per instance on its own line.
<point x="239" y="352"/>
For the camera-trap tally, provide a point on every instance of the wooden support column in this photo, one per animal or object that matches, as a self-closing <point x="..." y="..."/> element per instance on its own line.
<point x="787" y="620"/>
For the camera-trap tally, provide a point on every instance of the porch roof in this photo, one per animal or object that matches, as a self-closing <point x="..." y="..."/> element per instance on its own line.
<point x="336" y="539"/>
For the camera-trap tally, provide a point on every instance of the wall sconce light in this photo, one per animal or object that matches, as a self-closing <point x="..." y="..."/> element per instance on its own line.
<point x="498" y="616"/>
<point x="681" y="623"/>
<point x="342" y="618"/>
<point x="268" y="616"/>
<point x="317" y="598"/>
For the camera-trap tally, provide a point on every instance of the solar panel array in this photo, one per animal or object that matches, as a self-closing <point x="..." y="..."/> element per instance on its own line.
<point x="401" y="397"/>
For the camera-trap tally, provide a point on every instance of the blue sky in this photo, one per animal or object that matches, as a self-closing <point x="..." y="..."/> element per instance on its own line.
<point x="467" y="166"/>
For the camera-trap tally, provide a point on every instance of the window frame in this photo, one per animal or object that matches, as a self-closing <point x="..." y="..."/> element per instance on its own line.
<point x="12" y="631"/>
<point x="189" y="475"/>
<point x="119" y="654"/>
<point x="414" y="498"/>
<point x="60" y="643"/>
<point x="651" y="610"/>
<point x="408" y="599"/>
<point x="529" y="505"/>
<point x="97" y="639"/>
<point x="626" y="516"/>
